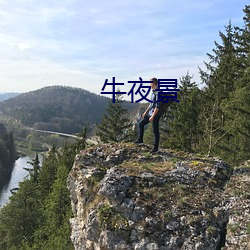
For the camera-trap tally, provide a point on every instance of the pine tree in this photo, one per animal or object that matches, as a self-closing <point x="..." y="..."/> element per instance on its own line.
<point x="81" y="143"/>
<point x="20" y="217"/>
<point x="38" y="214"/>
<point x="242" y="38"/>
<point x="225" y="108"/>
<point x="35" y="170"/>
<point x="47" y="174"/>
<point x="182" y="132"/>
<point x="237" y="106"/>
<point x="55" y="230"/>
<point x="221" y="70"/>
<point x="220" y="79"/>
<point x="149" y="134"/>
<point x="114" y="126"/>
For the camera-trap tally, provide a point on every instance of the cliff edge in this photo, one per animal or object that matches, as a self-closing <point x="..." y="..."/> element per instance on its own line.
<point x="125" y="198"/>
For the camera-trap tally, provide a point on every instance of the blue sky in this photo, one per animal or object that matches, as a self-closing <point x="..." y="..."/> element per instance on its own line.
<point x="82" y="43"/>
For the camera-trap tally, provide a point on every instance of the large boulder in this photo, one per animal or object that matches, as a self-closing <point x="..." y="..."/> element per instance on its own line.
<point x="126" y="198"/>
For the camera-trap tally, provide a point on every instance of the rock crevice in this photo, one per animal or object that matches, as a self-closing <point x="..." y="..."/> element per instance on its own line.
<point x="125" y="198"/>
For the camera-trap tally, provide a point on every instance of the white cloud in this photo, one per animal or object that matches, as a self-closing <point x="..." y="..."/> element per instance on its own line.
<point x="71" y="42"/>
<point x="23" y="46"/>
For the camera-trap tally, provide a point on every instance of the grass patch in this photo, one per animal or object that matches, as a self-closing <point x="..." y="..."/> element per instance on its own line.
<point x="233" y="228"/>
<point x="248" y="228"/>
<point x="136" y="168"/>
<point x="166" y="216"/>
<point x="212" y="231"/>
<point x="174" y="160"/>
<point x="109" y="218"/>
<point x="183" y="202"/>
<point x="147" y="155"/>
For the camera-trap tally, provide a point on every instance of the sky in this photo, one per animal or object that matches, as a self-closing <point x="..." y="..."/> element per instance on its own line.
<point x="81" y="43"/>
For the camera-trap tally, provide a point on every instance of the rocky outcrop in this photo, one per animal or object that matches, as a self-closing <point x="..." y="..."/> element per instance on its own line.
<point x="237" y="204"/>
<point x="125" y="198"/>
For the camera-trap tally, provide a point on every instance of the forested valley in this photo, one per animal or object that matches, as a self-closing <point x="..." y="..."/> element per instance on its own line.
<point x="37" y="216"/>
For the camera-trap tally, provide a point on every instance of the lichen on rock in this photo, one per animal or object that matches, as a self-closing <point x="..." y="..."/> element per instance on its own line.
<point x="125" y="198"/>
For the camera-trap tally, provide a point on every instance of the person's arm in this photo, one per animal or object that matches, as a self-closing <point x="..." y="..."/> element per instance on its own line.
<point x="147" y="110"/>
<point x="157" y="107"/>
<point x="156" y="110"/>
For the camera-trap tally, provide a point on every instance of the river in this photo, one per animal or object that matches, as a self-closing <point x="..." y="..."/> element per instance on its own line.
<point x="17" y="175"/>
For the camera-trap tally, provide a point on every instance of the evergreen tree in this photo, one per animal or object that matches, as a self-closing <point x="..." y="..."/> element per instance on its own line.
<point x="225" y="114"/>
<point x="148" y="134"/>
<point x="183" y="132"/>
<point x="220" y="79"/>
<point x="70" y="150"/>
<point x="37" y="216"/>
<point x="242" y="38"/>
<point x="114" y="126"/>
<point x="237" y="106"/>
<point x="81" y="143"/>
<point x="20" y="217"/>
<point x="55" y="230"/>
<point x="239" y="138"/>
<point x="8" y="153"/>
<point x="47" y="174"/>
<point x="222" y="67"/>
<point x="34" y="172"/>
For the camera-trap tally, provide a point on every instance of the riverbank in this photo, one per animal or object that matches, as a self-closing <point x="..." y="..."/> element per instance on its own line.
<point x="18" y="174"/>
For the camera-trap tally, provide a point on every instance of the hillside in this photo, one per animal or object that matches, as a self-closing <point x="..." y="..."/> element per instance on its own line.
<point x="7" y="155"/>
<point x="5" y="96"/>
<point x="57" y="108"/>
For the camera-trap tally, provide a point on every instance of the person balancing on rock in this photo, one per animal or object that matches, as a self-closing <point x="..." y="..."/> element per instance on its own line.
<point x="152" y="114"/>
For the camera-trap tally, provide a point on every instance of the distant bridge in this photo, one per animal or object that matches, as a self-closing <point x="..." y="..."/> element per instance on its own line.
<point x="62" y="134"/>
<point x="55" y="133"/>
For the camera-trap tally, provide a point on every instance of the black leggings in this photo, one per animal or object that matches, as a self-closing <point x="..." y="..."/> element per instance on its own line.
<point x="155" y="126"/>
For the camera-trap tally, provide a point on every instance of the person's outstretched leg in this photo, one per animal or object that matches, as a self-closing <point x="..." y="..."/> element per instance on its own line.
<point x="141" y="125"/>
